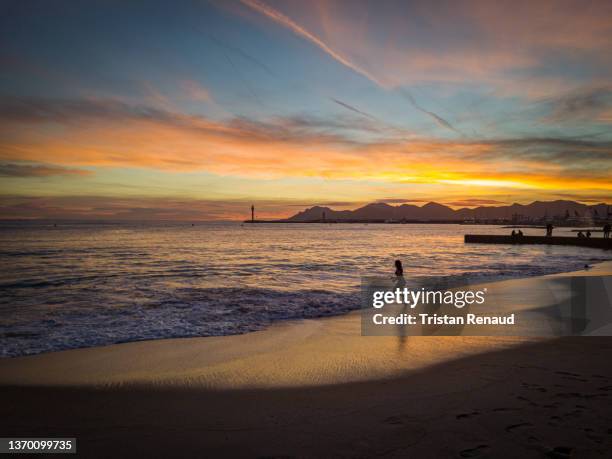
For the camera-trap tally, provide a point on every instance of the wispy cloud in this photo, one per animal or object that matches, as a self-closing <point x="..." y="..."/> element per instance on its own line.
<point x="438" y="119"/>
<point x="353" y="109"/>
<point x="300" y="31"/>
<point x="287" y="22"/>
<point x="243" y="54"/>
<point x="138" y="208"/>
<point x="196" y="91"/>
<point x="328" y="204"/>
<point x="584" y="104"/>
<point x="471" y="202"/>
<point x="398" y="200"/>
<point x="592" y="198"/>
<point x="38" y="170"/>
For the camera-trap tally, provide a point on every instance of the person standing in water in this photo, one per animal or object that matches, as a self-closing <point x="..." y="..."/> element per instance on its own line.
<point x="399" y="282"/>
<point x="399" y="270"/>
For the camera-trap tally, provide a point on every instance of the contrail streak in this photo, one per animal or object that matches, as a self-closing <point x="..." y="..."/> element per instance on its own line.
<point x="353" y="109"/>
<point x="242" y="53"/>
<point x="438" y="119"/>
<point x="297" y="29"/>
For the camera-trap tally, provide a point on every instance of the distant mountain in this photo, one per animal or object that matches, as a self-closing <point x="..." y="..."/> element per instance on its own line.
<point x="434" y="211"/>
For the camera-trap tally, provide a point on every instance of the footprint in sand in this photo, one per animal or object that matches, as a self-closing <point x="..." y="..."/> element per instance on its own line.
<point x="577" y="395"/>
<point x="467" y="415"/>
<point x="475" y="452"/>
<point x="569" y="395"/>
<point x="525" y="399"/>
<point x="535" y="387"/>
<point x="571" y="376"/>
<point x="567" y="373"/>
<point x="512" y="427"/>
<point x="399" y="419"/>
<point x="573" y="414"/>
<point x="560" y="452"/>
<point x="595" y="438"/>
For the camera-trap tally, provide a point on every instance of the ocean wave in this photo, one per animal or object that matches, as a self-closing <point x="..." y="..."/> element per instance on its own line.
<point x="183" y="313"/>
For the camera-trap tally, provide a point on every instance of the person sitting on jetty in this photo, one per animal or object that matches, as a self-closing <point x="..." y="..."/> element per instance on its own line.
<point x="580" y="235"/>
<point x="606" y="231"/>
<point x="516" y="234"/>
<point x="588" y="234"/>
<point x="549" y="229"/>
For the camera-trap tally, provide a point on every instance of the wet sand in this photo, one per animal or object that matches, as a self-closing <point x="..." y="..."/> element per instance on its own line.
<point x="317" y="388"/>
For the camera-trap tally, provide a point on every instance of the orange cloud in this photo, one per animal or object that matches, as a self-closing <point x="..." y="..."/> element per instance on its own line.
<point x="101" y="133"/>
<point x="195" y="91"/>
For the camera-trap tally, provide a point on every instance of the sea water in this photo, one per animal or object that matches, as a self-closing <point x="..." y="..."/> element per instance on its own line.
<point x="80" y="284"/>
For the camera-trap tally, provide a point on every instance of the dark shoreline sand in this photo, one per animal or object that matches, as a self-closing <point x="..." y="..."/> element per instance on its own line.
<point x="318" y="389"/>
<point x="520" y="402"/>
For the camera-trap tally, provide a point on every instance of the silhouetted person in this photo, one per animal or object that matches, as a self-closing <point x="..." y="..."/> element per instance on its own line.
<point x="520" y="233"/>
<point x="549" y="229"/>
<point x="580" y="235"/>
<point x="513" y="235"/>
<point x="606" y="231"/>
<point x="588" y="234"/>
<point x="399" y="270"/>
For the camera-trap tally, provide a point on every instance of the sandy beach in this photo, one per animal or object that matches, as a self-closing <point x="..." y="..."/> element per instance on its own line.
<point x="317" y="388"/>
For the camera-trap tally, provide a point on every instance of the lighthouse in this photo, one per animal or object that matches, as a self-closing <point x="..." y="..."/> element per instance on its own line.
<point x="252" y="213"/>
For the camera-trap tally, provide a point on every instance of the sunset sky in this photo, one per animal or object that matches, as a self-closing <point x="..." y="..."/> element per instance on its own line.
<point x="196" y="109"/>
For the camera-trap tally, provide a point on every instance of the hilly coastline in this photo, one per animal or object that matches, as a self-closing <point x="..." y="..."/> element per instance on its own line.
<point x="537" y="210"/>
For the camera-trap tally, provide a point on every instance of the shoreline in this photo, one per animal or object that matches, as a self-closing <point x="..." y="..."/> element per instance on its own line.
<point x="595" y="267"/>
<point x="249" y="360"/>
<point x="317" y="388"/>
